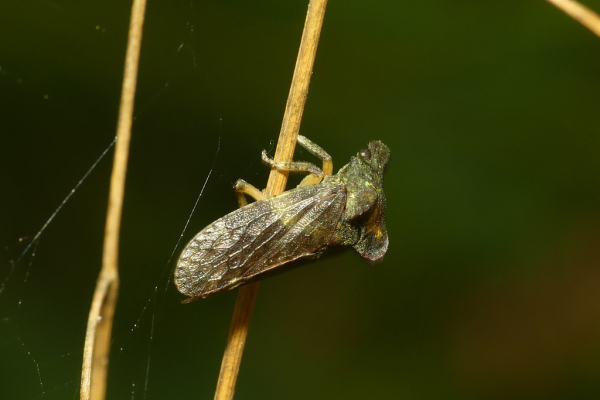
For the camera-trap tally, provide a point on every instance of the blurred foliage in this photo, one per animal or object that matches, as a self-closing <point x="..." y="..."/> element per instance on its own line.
<point x="490" y="287"/>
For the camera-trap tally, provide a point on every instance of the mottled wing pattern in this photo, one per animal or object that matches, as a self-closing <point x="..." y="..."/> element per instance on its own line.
<point x="259" y="237"/>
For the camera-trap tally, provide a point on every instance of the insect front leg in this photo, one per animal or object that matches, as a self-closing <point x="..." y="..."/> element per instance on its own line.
<point x="316" y="174"/>
<point x="318" y="151"/>
<point x="243" y="188"/>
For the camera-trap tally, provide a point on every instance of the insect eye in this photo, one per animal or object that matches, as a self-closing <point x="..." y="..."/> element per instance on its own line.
<point x="365" y="153"/>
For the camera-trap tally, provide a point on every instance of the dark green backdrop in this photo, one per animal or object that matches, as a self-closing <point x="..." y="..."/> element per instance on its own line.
<point x="490" y="288"/>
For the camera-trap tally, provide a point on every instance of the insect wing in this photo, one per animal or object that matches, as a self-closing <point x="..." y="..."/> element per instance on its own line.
<point x="259" y="237"/>
<point x="306" y="234"/>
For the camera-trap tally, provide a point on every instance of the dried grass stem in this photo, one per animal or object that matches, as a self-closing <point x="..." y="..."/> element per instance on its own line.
<point x="286" y="144"/>
<point x="581" y="13"/>
<point x="97" y="340"/>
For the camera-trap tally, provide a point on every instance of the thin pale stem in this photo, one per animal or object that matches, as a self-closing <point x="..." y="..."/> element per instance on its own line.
<point x="286" y="144"/>
<point x="99" y="327"/>
<point x="581" y="13"/>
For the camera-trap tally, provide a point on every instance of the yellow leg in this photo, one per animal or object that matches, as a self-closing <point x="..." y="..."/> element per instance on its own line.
<point x="310" y="180"/>
<point x="243" y="188"/>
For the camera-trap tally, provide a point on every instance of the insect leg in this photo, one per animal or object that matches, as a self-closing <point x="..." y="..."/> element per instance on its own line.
<point x="318" y="151"/>
<point x="316" y="174"/>
<point x="242" y="188"/>
<point x="294" y="166"/>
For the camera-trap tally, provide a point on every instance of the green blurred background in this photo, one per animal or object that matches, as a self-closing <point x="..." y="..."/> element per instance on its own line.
<point x="491" y="285"/>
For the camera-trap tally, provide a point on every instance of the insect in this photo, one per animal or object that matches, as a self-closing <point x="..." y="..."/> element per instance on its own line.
<point x="347" y="208"/>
